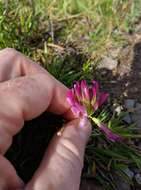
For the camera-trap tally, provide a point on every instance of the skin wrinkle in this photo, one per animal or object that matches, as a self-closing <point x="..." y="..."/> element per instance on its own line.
<point x="18" y="65"/>
<point x="5" y="141"/>
<point x="19" y="85"/>
<point x="71" y="148"/>
<point x="69" y="156"/>
<point x="75" y="132"/>
<point x="5" y="176"/>
<point x="7" y="120"/>
<point x="59" y="96"/>
<point x="11" y="111"/>
<point x="6" y="70"/>
<point x="10" y="127"/>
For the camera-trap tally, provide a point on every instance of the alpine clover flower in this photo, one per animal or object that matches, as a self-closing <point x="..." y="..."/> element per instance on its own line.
<point x="85" y="100"/>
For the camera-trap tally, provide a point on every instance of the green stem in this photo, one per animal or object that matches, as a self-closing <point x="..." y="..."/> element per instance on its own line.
<point x="95" y="120"/>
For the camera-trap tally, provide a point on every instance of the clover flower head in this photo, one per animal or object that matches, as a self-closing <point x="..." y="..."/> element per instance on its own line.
<point x="84" y="99"/>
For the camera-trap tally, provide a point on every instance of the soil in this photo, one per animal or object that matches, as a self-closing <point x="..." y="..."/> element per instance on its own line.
<point x="29" y="145"/>
<point x="125" y="81"/>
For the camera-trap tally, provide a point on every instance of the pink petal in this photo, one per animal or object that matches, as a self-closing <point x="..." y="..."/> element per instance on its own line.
<point x="70" y="97"/>
<point x="85" y="90"/>
<point x="95" y="87"/>
<point x="103" y="98"/>
<point x="75" y="111"/>
<point x="81" y="108"/>
<point x="77" y="89"/>
<point x="95" y="91"/>
<point x="109" y="134"/>
<point x="95" y="106"/>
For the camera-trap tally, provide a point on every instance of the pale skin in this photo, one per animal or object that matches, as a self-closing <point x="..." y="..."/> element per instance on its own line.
<point x="26" y="91"/>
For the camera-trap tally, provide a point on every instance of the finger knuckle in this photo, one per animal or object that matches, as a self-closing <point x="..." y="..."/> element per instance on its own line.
<point x="9" y="50"/>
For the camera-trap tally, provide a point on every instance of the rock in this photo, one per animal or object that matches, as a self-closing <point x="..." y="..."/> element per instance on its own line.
<point x="136" y="116"/>
<point x="138" y="178"/>
<point x="118" y="109"/>
<point x="129" y="173"/>
<point x="114" y="53"/>
<point x="137" y="120"/>
<point x="134" y="89"/>
<point x="130" y="104"/>
<point x="127" y="118"/>
<point x="121" y="184"/>
<point x="138" y="28"/>
<point x="138" y="107"/>
<point x="136" y="170"/>
<point x="108" y="63"/>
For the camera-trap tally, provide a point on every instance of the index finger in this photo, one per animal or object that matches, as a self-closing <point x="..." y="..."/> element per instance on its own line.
<point x="13" y="64"/>
<point x="30" y="92"/>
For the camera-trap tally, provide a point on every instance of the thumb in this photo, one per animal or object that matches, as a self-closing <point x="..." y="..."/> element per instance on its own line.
<point x="63" y="162"/>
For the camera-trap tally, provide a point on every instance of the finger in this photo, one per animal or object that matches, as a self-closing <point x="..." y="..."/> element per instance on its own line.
<point x="8" y="176"/>
<point x="30" y="92"/>
<point x="63" y="162"/>
<point x="13" y="64"/>
<point x="25" y="98"/>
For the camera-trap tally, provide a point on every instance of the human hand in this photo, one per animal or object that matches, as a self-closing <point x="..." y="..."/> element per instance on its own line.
<point x="27" y="90"/>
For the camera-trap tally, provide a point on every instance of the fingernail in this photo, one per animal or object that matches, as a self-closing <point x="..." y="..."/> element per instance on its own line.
<point x="83" y="122"/>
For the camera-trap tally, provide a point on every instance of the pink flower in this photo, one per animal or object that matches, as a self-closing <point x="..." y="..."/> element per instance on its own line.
<point x="84" y="99"/>
<point x="108" y="133"/>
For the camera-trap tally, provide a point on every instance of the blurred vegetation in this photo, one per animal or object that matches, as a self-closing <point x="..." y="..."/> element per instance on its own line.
<point x="69" y="38"/>
<point x="91" y="27"/>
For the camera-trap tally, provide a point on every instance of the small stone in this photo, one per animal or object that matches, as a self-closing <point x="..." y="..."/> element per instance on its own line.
<point x="138" y="28"/>
<point x="135" y="170"/>
<point x="118" y="109"/>
<point x="139" y="145"/>
<point x="114" y="53"/>
<point x="133" y="89"/>
<point x="136" y="116"/>
<point x="59" y="133"/>
<point x="126" y="84"/>
<point x="138" y="107"/>
<point x="138" y="178"/>
<point x="137" y="120"/>
<point x="129" y="173"/>
<point x="121" y="184"/>
<point x="127" y="118"/>
<point x="108" y="63"/>
<point x="129" y="104"/>
<point x="125" y="93"/>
